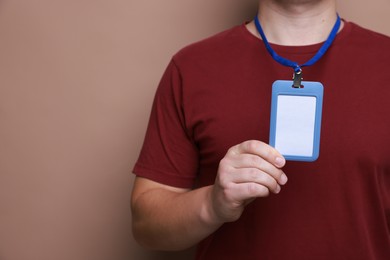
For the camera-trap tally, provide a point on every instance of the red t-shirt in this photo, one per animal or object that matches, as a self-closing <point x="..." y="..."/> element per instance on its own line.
<point x="216" y="93"/>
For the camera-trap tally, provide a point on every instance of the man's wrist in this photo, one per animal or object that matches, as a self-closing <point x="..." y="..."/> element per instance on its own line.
<point x="208" y="216"/>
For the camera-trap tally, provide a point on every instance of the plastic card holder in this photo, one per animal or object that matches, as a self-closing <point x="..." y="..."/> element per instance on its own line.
<point x="296" y="119"/>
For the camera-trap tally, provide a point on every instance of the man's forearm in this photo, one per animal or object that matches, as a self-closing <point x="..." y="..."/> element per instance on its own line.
<point x="166" y="220"/>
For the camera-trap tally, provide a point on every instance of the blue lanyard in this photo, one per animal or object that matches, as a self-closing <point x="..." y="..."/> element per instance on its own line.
<point x="298" y="68"/>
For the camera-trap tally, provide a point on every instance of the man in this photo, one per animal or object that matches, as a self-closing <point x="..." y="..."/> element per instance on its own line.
<point x="207" y="176"/>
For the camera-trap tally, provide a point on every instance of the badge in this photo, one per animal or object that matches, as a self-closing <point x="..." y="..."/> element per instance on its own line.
<point x="296" y="119"/>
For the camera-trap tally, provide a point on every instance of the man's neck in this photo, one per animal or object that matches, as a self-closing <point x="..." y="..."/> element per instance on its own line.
<point x="296" y="22"/>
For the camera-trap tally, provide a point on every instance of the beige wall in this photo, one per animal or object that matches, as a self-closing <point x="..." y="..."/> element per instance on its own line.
<point x="77" y="80"/>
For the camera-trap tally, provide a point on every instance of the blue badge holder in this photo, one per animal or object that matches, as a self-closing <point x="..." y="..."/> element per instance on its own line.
<point x="296" y="119"/>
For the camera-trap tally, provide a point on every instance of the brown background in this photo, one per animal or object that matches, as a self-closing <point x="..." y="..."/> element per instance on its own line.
<point x="77" y="80"/>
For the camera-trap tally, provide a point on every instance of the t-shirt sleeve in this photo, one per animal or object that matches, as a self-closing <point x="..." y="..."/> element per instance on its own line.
<point x="168" y="155"/>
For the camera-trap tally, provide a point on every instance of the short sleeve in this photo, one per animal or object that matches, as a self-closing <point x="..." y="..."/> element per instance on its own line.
<point x="168" y="155"/>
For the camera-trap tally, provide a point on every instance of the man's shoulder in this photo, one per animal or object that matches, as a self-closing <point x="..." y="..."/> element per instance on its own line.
<point x="215" y="45"/>
<point x="369" y="38"/>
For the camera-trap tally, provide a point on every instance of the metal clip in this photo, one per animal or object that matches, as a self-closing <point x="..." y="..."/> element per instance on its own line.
<point x="297" y="77"/>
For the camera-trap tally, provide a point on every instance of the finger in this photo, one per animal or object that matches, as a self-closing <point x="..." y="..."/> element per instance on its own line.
<point x="246" y="191"/>
<point x="247" y="175"/>
<point x="254" y="161"/>
<point x="261" y="149"/>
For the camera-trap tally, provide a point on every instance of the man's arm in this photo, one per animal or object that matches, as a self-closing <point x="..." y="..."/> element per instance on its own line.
<point x="169" y="218"/>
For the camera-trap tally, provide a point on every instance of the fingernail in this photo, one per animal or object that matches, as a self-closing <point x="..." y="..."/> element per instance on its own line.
<point x="279" y="161"/>
<point x="283" y="179"/>
<point x="277" y="190"/>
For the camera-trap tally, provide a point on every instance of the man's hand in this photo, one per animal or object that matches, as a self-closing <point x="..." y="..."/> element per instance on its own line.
<point x="249" y="170"/>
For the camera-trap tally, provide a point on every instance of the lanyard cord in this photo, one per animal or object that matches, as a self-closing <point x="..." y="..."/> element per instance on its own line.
<point x="298" y="68"/>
